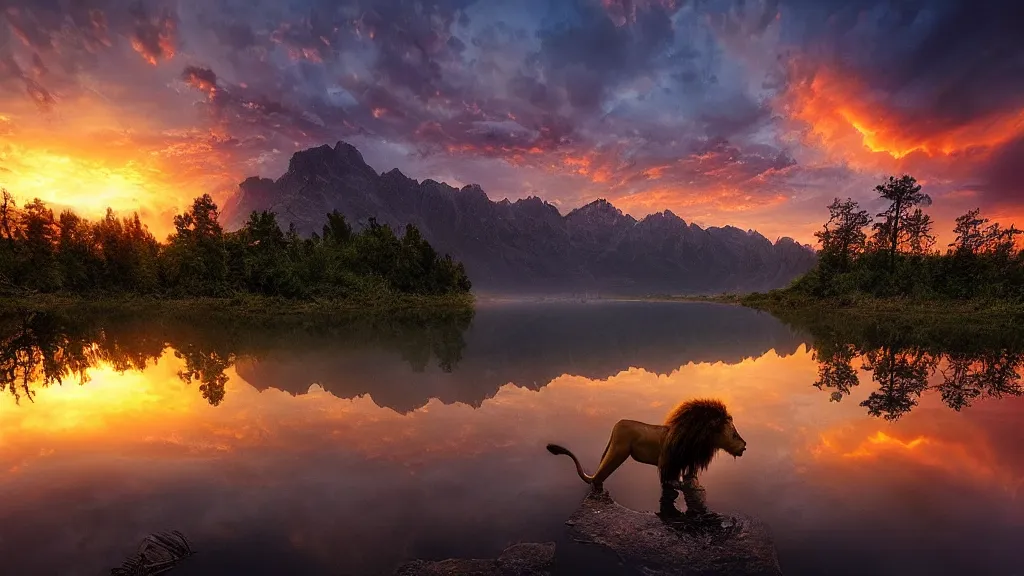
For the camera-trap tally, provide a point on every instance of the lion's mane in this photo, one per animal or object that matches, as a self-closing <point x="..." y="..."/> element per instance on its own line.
<point x="690" y="442"/>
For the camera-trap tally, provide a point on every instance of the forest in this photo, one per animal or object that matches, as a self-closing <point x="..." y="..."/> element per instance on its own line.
<point x="44" y="253"/>
<point x="893" y="254"/>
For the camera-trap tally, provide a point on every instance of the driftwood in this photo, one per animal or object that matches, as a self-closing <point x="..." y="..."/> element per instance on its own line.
<point x="157" y="554"/>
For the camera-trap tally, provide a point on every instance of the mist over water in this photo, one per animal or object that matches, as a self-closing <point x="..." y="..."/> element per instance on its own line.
<point x="349" y="448"/>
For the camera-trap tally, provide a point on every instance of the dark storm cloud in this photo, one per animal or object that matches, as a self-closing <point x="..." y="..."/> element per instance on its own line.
<point x="154" y="36"/>
<point x="590" y="52"/>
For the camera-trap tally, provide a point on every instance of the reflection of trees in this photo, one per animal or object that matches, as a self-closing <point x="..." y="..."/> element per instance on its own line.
<point x="835" y="370"/>
<point x="967" y="377"/>
<point x="901" y="376"/>
<point x="39" y="349"/>
<point x="902" y="362"/>
<point x="206" y="366"/>
<point x="34" y="350"/>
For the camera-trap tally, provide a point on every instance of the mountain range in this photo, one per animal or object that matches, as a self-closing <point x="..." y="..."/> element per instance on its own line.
<point x="525" y="246"/>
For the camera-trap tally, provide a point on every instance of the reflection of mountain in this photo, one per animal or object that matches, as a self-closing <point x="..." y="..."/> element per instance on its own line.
<point x="530" y="344"/>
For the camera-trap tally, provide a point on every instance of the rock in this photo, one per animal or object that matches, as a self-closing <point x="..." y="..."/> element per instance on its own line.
<point x="517" y="560"/>
<point x="606" y="538"/>
<point x="644" y="543"/>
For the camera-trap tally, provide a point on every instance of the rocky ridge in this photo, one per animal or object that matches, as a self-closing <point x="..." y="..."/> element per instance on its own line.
<point x="525" y="246"/>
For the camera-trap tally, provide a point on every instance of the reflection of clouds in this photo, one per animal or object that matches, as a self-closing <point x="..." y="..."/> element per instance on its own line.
<point x="345" y="484"/>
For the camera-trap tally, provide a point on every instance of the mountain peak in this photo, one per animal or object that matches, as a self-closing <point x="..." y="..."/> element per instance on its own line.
<point x="343" y="156"/>
<point x="599" y="206"/>
<point x="599" y="212"/>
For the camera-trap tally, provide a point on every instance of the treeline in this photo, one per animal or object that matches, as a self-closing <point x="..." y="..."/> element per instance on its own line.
<point x="41" y="252"/>
<point x="894" y="253"/>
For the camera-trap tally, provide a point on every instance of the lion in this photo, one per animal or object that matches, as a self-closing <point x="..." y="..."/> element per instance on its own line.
<point x="684" y="446"/>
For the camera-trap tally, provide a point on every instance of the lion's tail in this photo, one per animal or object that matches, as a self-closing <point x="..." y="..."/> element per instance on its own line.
<point x="559" y="450"/>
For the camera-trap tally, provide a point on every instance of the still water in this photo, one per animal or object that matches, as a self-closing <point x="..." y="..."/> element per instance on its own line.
<point x="353" y="449"/>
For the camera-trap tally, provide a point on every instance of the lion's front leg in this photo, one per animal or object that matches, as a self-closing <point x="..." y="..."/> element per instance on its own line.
<point x="694" y="495"/>
<point x="669" y="494"/>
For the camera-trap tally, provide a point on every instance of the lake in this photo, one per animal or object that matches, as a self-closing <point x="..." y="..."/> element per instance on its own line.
<point x="348" y="449"/>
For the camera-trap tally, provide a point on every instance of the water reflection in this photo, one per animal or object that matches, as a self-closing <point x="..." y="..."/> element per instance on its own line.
<point x="453" y="357"/>
<point x="41" y="349"/>
<point x="331" y="451"/>
<point x="903" y="368"/>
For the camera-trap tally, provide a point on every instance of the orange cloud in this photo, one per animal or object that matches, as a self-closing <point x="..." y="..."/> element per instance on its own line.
<point x="842" y="117"/>
<point x="709" y="200"/>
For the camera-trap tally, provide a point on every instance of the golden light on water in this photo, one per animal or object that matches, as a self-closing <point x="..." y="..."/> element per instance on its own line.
<point x="139" y="413"/>
<point x="353" y="484"/>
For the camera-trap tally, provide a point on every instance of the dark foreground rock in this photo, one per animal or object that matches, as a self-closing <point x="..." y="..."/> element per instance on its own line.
<point x="517" y="560"/>
<point x="606" y="538"/>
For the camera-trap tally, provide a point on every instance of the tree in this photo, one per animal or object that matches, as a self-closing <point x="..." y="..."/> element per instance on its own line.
<point x="337" y="229"/>
<point x="1000" y="241"/>
<point x="38" y="239"/>
<point x="79" y="262"/>
<point x="267" y="268"/>
<point x="904" y="195"/>
<point x="970" y="236"/>
<point x="919" y="238"/>
<point x="197" y="255"/>
<point x="7" y="208"/>
<point x="843" y="238"/>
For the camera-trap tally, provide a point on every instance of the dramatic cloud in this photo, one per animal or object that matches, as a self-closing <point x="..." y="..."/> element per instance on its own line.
<point x="748" y="112"/>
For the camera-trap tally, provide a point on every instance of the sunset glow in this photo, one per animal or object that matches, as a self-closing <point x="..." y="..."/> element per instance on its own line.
<point x="145" y="108"/>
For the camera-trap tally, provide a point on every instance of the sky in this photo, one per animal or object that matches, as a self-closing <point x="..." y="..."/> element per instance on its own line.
<point x="754" y="113"/>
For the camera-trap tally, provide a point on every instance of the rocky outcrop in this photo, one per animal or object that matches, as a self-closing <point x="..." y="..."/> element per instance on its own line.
<point x="606" y="538"/>
<point x="704" y="545"/>
<point x="526" y="245"/>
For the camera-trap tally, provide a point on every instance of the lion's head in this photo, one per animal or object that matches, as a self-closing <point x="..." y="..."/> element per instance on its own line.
<point x="729" y="439"/>
<point x="696" y="430"/>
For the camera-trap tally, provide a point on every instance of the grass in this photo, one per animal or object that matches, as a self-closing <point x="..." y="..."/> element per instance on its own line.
<point x="920" y="318"/>
<point x="241" y="306"/>
<point x="789" y="303"/>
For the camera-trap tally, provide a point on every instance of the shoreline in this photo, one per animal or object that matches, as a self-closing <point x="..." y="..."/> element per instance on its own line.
<point x="239" y="305"/>
<point x="782" y="303"/>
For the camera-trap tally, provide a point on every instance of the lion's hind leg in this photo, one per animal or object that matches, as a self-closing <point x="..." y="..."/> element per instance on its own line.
<point x="615" y="454"/>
